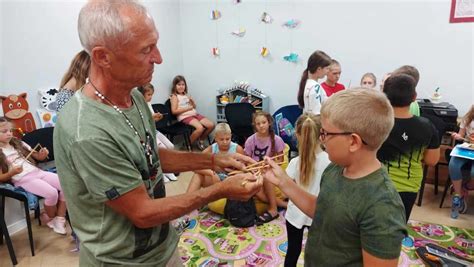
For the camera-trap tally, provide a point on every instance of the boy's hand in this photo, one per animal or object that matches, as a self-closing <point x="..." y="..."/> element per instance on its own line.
<point x="241" y="186"/>
<point x="274" y="174"/>
<point x="231" y="162"/>
<point x="16" y="170"/>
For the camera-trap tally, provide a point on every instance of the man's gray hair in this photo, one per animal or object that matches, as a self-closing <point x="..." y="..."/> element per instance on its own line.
<point x="100" y="22"/>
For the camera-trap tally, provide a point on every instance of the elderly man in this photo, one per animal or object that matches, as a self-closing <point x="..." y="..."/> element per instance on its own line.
<point x="104" y="141"/>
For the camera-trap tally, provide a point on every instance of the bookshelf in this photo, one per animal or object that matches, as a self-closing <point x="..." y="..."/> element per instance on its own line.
<point x="240" y="93"/>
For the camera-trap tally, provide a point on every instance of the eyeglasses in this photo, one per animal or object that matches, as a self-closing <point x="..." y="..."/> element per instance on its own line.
<point x="323" y="134"/>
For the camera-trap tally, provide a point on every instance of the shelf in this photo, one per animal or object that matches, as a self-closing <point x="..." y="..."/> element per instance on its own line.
<point x="241" y="94"/>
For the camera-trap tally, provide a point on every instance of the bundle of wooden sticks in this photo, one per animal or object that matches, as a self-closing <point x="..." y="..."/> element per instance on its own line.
<point x="256" y="168"/>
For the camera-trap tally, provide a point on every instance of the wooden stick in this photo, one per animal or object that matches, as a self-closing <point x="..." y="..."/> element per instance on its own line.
<point x="33" y="150"/>
<point x="258" y="174"/>
<point x="257" y="168"/>
<point x="255" y="164"/>
<point x="261" y="167"/>
<point x="263" y="161"/>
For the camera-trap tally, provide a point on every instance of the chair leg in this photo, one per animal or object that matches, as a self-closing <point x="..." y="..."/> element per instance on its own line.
<point x="37" y="214"/>
<point x="422" y="188"/>
<point x="4" y="228"/>
<point x="445" y="191"/>
<point x="187" y="141"/>
<point x="28" y="224"/>
<point x="436" y="179"/>
<point x="2" y="212"/>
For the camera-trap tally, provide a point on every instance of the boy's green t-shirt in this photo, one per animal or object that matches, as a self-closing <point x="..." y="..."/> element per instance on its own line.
<point x="354" y="215"/>
<point x="415" y="108"/>
<point x="99" y="158"/>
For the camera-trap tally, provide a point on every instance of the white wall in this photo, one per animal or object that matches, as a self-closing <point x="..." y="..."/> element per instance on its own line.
<point x="375" y="36"/>
<point x="39" y="40"/>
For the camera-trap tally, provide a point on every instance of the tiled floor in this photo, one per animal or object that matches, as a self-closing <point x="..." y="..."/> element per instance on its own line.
<point x="53" y="250"/>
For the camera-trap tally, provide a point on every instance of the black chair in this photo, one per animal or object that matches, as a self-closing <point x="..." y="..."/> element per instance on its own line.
<point x="239" y="118"/>
<point x="4" y="193"/>
<point x="174" y="120"/>
<point x="42" y="136"/>
<point x="291" y="113"/>
<point x="440" y="125"/>
<point x="169" y="128"/>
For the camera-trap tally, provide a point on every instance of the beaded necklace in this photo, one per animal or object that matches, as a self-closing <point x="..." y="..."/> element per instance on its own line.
<point x="147" y="144"/>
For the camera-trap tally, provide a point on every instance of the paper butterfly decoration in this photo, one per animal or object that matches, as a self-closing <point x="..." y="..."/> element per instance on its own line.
<point x="266" y="18"/>
<point x="264" y="51"/>
<point x="292" y="23"/>
<point x="292" y="57"/>
<point x="215" y="51"/>
<point x="239" y="33"/>
<point x="215" y="14"/>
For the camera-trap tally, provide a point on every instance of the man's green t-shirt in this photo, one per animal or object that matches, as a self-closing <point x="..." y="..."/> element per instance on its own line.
<point x="354" y="215"/>
<point x="99" y="158"/>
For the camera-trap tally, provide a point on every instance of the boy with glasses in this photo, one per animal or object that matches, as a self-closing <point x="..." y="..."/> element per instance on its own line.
<point x="358" y="216"/>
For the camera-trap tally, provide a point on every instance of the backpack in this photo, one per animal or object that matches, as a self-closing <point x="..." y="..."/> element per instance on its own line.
<point x="240" y="213"/>
<point x="286" y="129"/>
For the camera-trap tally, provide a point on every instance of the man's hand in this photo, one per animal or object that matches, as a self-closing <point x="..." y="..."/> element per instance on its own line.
<point x="274" y="174"/>
<point x="231" y="162"/>
<point x="241" y="186"/>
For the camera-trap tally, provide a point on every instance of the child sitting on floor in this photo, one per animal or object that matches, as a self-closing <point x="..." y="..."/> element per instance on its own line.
<point x="358" y="217"/>
<point x="223" y="145"/>
<point x="264" y="142"/>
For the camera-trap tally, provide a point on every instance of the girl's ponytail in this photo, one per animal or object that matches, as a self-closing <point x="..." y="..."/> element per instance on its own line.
<point x="307" y="132"/>
<point x="304" y="78"/>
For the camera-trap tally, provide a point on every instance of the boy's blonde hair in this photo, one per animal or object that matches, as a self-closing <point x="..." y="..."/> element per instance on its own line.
<point x="222" y="128"/>
<point x="365" y="112"/>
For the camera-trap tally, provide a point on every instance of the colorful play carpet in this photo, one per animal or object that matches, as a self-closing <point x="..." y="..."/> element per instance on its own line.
<point x="211" y="241"/>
